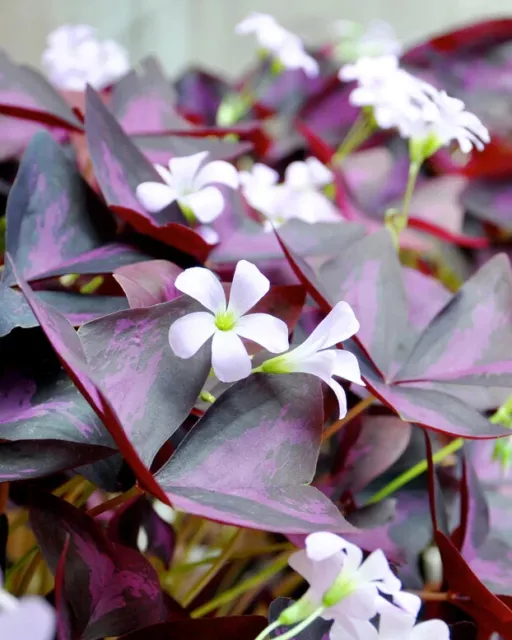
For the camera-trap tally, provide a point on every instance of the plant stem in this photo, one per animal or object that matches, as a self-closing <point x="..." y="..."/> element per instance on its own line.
<point x="353" y="413"/>
<point x="414" y="170"/>
<point x="415" y="471"/>
<point x="268" y="630"/>
<point x="204" y="580"/>
<point x="279" y="563"/>
<point x="302" y="625"/>
<point x="114" y="502"/>
<point x="355" y="137"/>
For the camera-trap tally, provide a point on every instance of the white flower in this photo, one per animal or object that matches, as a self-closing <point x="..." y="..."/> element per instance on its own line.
<point x="299" y="196"/>
<point x="315" y="356"/>
<point x="30" y="618"/>
<point x="394" y="95"/>
<point x="285" y="46"/>
<point x="339" y="580"/>
<point x="378" y="39"/>
<point x="445" y="119"/>
<point x="75" y="57"/>
<point x="227" y="322"/>
<point x="189" y="181"/>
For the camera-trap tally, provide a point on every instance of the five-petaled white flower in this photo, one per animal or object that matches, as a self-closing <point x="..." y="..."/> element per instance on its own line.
<point x="284" y="46"/>
<point x="189" y="181"/>
<point x="315" y="356"/>
<point x="75" y="57"/>
<point x="446" y="119"/>
<point x="227" y="322"/>
<point x="30" y="618"/>
<point x="393" y="94"/>
<point x="299" y="196"/>
<point x="356" y="41"/>
<point x="347" y="587"/>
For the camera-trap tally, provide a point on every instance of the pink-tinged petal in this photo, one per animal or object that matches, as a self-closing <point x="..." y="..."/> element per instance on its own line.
<point x="408" y="602"/>
<point x="155" y="196"/>
<point x="376" y="569"/>
<point x="217" y="172"/>
<point x="184" y="169"/>
<point x="340" y="324"/>
<point x="208" y="234"/>
<point x="164" y="174"/>
<point x="359" y="605"/>
<point x="230" y="360"/>
<point x="323" y="544"/>
<point x="249" y="286"/>
<point x="394" y="623"/>
<point x="264" y="329"/>
<point x="320" y="174"/>
<point x="302" y="565"/>
<point x="340" y="396"/>
<point x="431" y="629"/>
<point x="346" y="366"/>
<point x="33" y="619"/>
<point x="352" y="558"/>
<point x="204" y="286"/>
<point x="206" y="204"/>
<point x="260" y="175"/>
<point x="188" y="334"/>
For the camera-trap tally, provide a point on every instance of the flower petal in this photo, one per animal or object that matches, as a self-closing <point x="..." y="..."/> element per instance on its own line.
<point x="33" y="618"/>
<point x="320" y="174"/>
<point x="188" y="334"/>
<point x="264" y="329"/>
<point x="249" y="286"/>
<point x="431" y="629"/>
<point x="340" y="324"/>
<point x="340" y="396"/>
<point x="360" y="604"/>
<point x="318" y="364"/>
<point x="376" y="569"/>
<point x="394" y="623"/>
<point x="208" y="234"/>
<point x="206" y="204"/>
<point x="230" y="360"/>
<point x="217" y="172"/>
<point x="407" y="602"/>
<point x="297" y="175"/>
<point x="184" y="169"/>
<point x="301" y="564"/>
<point x="155" y="196"/>
<point x="346" y="366"/>
<point x="164" y="174"/>
<point x="202" y="285"/>
<point x="349" y="629"/>
<point x="323" y="544"/>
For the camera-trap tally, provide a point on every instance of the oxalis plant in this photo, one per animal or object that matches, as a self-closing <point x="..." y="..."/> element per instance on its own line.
<point x="256" y="341"/>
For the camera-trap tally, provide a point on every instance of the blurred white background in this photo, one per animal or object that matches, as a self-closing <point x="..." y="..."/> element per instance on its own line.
<point x="181" y="32"/>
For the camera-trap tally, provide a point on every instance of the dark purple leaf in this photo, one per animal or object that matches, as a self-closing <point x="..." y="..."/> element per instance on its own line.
<point x="231" y="628"/>
<point x="160" y="149"/>
<point x="250" y="459"/>
<point x="139" y="515"/>
<point x="80" y="308"/>
<point x="110" y="589"/>
<point x="150" y="388"/>
<point x="45" y="423"/>
<point x="398" y="361"/>
<point x="55" y="224"/>
<point x="119" y="168"/>
<point x="143" y="100"/>
<point x="199" y="94"/>
<point x="67" y="346"/>
<point x="148" y="283"/>
<point x="14" y="311"/>
<point x="318" y="630"/>
<point x="24" y="93"/>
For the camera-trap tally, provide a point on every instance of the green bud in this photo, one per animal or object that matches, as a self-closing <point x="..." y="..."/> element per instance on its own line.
<point x="206" y="396"/>
<point x="93" y="285"/>
<point x="502" y="453"/>
<point x="279" y="364"/>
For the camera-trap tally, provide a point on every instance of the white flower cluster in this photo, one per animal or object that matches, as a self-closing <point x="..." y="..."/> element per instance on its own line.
<point x="351" y="591"/>
<point x="299" y="196"/>
<point x="286" y="47"/>
<point x="356" y="41"/>
<point x="75" y="57"/>
<point x="418" y="110"/>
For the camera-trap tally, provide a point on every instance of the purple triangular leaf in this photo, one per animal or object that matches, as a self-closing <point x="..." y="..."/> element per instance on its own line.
<point x="250" y="459"/>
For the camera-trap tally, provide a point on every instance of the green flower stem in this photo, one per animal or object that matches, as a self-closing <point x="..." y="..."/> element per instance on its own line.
<point x="357" y="134"/>
<point x="268" y="630"/>
<point x="219" y="562"/>
<point x="254" y="581"/>
<point x="415" y="471"/>
<point x="302" y="625"/>
<point x="414" y="170"/>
